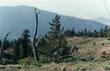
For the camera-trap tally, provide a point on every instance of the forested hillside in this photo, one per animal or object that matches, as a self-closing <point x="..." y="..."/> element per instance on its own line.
<point x="18" y="18"/>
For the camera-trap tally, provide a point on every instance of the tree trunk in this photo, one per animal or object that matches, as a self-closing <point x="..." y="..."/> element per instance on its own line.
<point x="1" y="49"/>
<point x="35" y="47"/>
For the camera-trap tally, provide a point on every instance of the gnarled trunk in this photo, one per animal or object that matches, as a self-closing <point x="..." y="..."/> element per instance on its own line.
<point x="35" y="43"/>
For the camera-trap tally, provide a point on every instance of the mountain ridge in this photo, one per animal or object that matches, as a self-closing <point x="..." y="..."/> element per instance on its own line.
<point x="18" y="18"/>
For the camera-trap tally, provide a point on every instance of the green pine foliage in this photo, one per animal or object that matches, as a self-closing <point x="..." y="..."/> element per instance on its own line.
<point x="57" y="39"/>
<point x="57" y="44"/>
<point x="25" y="46"/>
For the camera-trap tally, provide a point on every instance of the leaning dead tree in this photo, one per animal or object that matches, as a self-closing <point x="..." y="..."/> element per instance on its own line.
<point x="36" y="40"/>
<point x="2" y="46"/>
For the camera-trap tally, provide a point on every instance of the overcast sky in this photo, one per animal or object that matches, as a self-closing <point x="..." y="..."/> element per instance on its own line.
<point x="88" y="9"/>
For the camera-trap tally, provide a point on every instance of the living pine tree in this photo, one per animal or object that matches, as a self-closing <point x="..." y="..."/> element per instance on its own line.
<point x="85" y="32"/>
<point x="108" y="33"/>
<point x="101" y="32"/>
<point x="15" y="45"/>
<point x="73" y="31"/>
<point x="67" y="33"/>
<point x="25" y="48"/>
<point x="106" y="29"/>
<point x="56" y="39"/>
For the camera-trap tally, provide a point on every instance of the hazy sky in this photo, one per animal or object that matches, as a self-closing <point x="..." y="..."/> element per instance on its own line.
<point x="88" y="9"/>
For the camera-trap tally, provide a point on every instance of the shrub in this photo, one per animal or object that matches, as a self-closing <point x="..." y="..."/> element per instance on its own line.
<point x="27" y="61"/>
<point x="105" y="56"/>
<point x="7" y="61"/>
<point x="44" y="59"/>
<point x="86" y="56"/>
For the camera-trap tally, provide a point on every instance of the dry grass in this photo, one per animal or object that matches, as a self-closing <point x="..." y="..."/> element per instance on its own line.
<point x="96" y="45"/>
<point x="80" y="66"/>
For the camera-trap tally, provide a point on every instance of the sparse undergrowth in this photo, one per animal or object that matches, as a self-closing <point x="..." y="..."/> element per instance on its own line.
<point x="79" y="66"/>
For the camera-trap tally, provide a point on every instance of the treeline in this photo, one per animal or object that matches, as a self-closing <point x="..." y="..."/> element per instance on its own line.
<point x="103" y="32"/>
<point x="15" y="49"/>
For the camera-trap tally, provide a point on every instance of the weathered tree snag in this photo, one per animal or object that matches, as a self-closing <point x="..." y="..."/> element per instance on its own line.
<point x="1" y="49"/>
<point x="36" y="41"/>
<point x="1" y="52"/>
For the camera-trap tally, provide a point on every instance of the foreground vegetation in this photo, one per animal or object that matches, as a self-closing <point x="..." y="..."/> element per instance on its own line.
<point x="78" y="66"/>
<point x="58" y="50"/>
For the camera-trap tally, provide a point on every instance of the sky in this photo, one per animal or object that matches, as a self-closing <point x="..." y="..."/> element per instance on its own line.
<point x="88" y="9"/>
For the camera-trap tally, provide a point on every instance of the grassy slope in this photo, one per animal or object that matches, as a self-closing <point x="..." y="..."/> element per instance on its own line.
<point x="96" y="46"/>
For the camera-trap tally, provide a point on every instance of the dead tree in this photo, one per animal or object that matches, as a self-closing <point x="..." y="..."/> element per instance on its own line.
<point x="2" y="46"/>
<point x="35" y="40"/>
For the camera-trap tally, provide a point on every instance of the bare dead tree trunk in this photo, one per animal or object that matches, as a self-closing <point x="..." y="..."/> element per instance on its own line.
<point x="1" y="49"/>
<point x="1" y="52"/>
<point x="36" y="41"/>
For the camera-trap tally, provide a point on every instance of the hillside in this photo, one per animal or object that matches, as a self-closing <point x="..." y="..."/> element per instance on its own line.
<point x="25" y="19"/>
<point x="93" y="46"/>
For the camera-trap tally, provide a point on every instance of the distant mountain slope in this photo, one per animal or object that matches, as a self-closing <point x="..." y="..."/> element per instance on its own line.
<point x="103" y="20"/>
<point x="16" y="19"/>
